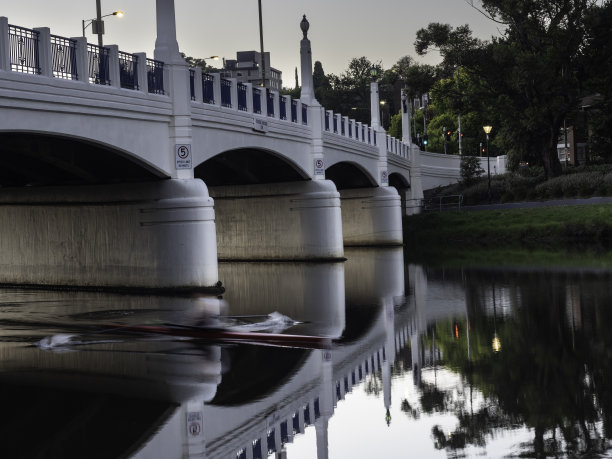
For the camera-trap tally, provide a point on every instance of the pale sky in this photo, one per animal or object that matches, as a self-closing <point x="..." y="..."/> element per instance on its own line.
<point x="340" y="30"/>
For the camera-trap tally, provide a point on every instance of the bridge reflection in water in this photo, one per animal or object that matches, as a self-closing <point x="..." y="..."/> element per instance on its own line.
<point x="114" y="394"/>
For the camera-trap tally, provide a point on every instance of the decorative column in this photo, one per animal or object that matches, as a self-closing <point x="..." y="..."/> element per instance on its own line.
<point x="167" y="51"/>
<point x="307" y="93"/>
<point x="316" y="116"/>
<point x="406" y="137"/>
<point x="383" y="177"/>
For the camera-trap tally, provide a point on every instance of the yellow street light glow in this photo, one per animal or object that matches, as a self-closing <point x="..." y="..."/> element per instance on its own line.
<point x="487" y="129"/>
<point x="496" y="344"/>
<point x="118" y="13"/>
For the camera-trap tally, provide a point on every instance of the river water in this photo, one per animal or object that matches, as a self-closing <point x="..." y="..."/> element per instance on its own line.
<point x="400" y="360"/>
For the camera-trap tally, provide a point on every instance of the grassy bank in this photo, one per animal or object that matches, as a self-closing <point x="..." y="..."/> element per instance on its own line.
<point x="544" y="227"/>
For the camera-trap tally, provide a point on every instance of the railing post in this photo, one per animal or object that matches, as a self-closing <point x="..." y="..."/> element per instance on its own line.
<point x="358" y="131"/>
<point x="249" y="97"/>
<point x="113" y="66"/>
<point x="44" y="51"/>
<point x="217" y="89"/>
<point x="5" y="53"/>
<point x="298" y="108"/>
<point x="197" y="85"/>
<point x="82" y="60"/>
<point x="141" y="72"/>
<point x="287" y="102"/>
<point x="276" y="105"/>
<point x="345" y="122"/>
<point x="234" y="92"/>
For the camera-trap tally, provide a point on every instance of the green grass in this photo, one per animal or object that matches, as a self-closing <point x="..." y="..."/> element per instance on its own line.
<point x="537" y="227"/>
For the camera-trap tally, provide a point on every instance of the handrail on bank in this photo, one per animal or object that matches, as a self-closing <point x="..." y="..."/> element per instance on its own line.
<point x="444" y="202"/>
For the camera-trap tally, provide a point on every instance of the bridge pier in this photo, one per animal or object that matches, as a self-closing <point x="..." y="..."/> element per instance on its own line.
<point x="371" y="217"/>
<point x="279" y="221"/>
<point x="154" y="235"/>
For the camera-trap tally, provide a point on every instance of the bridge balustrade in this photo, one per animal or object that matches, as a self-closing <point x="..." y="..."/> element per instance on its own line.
<point x="226" y="93"/>
<point x="327" y="115"/>
<point x="242" y="97"/>
<point x="98" y="58"/>
<point x="283" y="108"/>
<point x="23" y="50"/>
<point x="128" y="70"/>
<point x="155" y="76"/>
<point x="63" y="57"/>
<point x="341" y="126"/>
<point x="304" y="114"/>
<point x="257" y="101"/>
<point x="294" y="111"/>
<point x="270" y="103"/>
<point x="208" y="89"/>
<point x="192" y="84"/>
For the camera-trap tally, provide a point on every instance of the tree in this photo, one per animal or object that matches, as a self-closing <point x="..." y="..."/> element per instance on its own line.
<point x="598" y="81"/>
<point x="532" y="73"/>
<point x="471" y="170"/>
<point x="350" y="91"/>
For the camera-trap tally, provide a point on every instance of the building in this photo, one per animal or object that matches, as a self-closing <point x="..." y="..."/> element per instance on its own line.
<point x="247" y="69"/>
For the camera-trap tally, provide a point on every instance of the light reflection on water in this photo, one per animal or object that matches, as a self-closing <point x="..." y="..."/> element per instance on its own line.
<point x="412" y="368"/>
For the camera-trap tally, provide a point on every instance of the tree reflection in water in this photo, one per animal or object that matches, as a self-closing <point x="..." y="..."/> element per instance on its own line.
<point x="552" y="375"/>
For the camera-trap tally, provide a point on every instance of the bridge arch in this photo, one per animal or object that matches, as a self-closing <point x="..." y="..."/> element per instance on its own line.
<point x="30" y="158"/>
<point x="350" y="175"/>
<point x="249" y="166"/>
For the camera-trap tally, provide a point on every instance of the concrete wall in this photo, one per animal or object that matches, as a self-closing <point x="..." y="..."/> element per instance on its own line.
<point x="279" y="221"/>
<point x="150" y="235"/>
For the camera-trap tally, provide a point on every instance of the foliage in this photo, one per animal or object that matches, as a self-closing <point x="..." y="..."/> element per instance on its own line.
<point x="470" y="170"/>
<point x="350" y="91"/>
<point x="201" y="63"/>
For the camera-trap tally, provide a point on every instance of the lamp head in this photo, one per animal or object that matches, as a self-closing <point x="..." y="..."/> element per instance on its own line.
<point x="487" y="129"/>
<point x="118" y="13"/>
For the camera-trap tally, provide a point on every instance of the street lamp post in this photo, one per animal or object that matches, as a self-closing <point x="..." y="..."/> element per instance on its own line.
<point x="487" y="130"/>
<point x="97" y="24"/>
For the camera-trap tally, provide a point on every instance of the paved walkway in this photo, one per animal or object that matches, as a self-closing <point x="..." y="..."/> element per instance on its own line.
<point x="555" y="202"/>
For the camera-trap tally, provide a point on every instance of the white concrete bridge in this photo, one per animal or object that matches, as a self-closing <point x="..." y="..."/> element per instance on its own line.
<point x="118" y="170"/>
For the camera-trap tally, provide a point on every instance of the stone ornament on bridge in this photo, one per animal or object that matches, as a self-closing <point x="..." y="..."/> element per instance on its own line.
<point x="305" y="25"/>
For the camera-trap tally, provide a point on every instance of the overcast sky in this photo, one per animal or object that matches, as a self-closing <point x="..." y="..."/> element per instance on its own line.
<point x="382" y="30"/>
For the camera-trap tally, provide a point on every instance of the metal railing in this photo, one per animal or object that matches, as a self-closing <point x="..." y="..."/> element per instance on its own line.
<point x="257" y="101"/>
<point x="63" y="58"/>
<point x="98" y="64"/>
<point x="293" y="111"/>
<point x="242" y="97"/>
<point x="23" y="50"/>
<point x="208" y="91"/>
<point x="226" y="93"/>
<point x="155" y="76"/>
<point x="128" y="70"/>
<point x="283" y="108"/>
<point x="441" y="203"/>
<point x="270" y="99"/>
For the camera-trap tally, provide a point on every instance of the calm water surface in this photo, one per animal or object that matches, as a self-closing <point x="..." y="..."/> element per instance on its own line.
<point x="416" y="362"/>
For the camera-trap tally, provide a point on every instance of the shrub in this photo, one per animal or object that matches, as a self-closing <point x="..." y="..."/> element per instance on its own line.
<point x="470" y="170"/>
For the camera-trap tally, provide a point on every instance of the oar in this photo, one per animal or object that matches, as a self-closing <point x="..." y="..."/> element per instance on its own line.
<point x="216" y="334"/>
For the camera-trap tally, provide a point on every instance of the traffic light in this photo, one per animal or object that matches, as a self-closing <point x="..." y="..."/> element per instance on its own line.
<point x="447" y="134"/>
<point x="425" y="139"/>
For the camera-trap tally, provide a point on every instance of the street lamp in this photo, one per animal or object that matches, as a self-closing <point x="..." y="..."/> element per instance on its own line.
<point x="487" y="130"/>
<point x="97" y="24"/>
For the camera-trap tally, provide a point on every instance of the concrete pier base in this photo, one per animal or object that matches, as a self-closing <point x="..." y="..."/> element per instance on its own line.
<point x="371" y="217"/>
<point x="279" y="221"/>
<point x="155" y="235"/>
